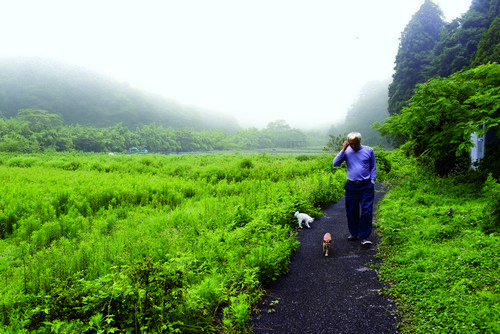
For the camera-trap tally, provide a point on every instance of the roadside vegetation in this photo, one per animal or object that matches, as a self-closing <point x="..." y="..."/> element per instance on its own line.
<point x="186" y="243"/>
<point x="441" y="248"/>
<point x="149" y="243"/>
<point x="440" y="221"/>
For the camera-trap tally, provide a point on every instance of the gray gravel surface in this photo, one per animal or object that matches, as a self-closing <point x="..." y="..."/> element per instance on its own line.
<point x="335" y="294"/>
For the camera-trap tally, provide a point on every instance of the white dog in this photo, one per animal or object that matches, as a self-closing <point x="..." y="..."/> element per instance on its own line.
<point x="303" y="217"/>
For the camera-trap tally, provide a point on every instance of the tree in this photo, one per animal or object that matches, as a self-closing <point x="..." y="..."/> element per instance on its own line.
<point x="39" y="120"/>
<point x="414" y="55"/>
<point x="121" y="138"/>
<point x="278" y="126"/>
<point x="185" y="138"/>
<point x="14" y="142"/>
<point x="457" y="44"/>
<point x="248" y="139"/>
<point x="335" y="143"/>
<point x="282" y="135"/>
<point x="489" y="45"/>
<point x="444" y="112"/>
<point x="64" y="140"/>
<point x="212" y="140"/>
<point x="88" y="139"/>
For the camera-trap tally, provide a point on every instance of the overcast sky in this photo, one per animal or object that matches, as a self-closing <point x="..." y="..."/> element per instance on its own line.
<point x="303" y="61"/>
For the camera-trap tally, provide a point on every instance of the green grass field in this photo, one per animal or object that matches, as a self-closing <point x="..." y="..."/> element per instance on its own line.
<point x="149" y="243"/>
<point x="186" y="243"/>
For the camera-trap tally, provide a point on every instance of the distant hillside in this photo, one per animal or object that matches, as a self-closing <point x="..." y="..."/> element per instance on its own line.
<point x="89" y="99"/>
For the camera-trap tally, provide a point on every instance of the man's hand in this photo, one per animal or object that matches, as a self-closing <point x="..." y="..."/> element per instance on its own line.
<point x="345" y="146"/>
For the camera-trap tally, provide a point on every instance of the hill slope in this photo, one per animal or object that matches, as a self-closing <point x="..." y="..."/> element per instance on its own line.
<point x="89" y="99"/>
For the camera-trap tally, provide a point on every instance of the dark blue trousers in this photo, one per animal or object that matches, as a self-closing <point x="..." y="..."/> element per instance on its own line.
<point x="359" y="208"/>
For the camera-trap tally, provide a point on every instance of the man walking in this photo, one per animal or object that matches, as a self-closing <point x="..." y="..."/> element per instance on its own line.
<point x="360" y="186"/>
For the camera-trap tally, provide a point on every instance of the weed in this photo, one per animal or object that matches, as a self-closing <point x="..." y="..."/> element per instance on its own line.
<point x="440" y="250"/>
<point x="148" y="244"/>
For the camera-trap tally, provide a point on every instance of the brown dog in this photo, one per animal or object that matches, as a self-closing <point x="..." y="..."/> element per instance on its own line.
<point x="327" y="240"/>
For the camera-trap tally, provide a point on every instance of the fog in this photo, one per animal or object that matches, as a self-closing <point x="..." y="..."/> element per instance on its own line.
<point x="303" y="61"/>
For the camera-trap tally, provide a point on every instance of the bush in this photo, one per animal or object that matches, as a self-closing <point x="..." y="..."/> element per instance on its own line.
<point x="384" y="164"/>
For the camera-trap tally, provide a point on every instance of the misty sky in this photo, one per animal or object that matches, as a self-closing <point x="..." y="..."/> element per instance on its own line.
<point x="303" y="61"/>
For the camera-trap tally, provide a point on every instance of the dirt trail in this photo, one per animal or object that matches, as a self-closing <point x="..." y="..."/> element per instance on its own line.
<point x="334" y="294"/>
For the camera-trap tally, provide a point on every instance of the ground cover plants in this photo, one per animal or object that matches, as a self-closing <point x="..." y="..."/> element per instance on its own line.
<point x="149" y="243"/>
<point x="441" y="249"/>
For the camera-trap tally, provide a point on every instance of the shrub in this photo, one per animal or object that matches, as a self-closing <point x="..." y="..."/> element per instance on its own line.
<point x="384" y="164"/>
<point x="246" y="163"/>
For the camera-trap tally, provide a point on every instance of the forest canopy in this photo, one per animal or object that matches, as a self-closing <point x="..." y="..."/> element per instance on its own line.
<point x="444" y="112"/>
<point x="431" y="48"/>
<point x="35" y="131"/>
<point x="445" y="85"/>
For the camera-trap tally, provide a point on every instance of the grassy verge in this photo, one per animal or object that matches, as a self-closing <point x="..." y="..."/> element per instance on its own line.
<point x="149" y="243"/>
<point x="441" y="249"/>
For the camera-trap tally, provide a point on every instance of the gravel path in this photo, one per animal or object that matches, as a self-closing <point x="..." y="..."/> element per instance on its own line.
<point x="334" y="294"/>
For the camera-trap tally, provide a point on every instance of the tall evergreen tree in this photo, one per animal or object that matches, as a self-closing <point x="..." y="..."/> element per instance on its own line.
<point x="489" y="45"/>
<point x="481" y="6"/>
<point x="493" y="9"/>
<point x="458" y="41"/>
<point x="414" y="54"/>
<point x="488" y="49"/>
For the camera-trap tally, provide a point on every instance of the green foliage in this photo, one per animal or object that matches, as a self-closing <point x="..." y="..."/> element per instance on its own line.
<point x="458" y="43"/>
<point x="384" y="164"/>
<point x="491" y="223"/>
<point x="237" y="315"/>
<point x="430" y="48"/>
<point x="488" y="49"/>
<point x="443" y="114"/>
<point x="440" y="245"/>
<point x="149" y="244"/>
<point x="36" y="131"/>
<point x="52" y="107"/>
<point x="144" y="295"/>
<point x="246" y="163"/>
<point x="304" y="157"/>
<point x="334" y="144"/>
<point x="415" y="54"/>
<point x="108" y="117"/>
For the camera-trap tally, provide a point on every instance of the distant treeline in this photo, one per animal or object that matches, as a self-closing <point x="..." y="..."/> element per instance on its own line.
<point x="33" y="131"/>
<point x="88" y="112"/>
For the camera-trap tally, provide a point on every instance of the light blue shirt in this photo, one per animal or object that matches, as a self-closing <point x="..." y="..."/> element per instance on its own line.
<point x="360" y="164"/>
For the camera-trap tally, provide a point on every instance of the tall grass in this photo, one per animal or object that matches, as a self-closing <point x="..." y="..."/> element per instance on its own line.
<point x="441" y="246"/>
<point x="149" y="244"/>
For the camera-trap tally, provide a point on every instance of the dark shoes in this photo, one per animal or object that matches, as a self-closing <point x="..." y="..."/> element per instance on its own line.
<point x="351" y="238"/>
